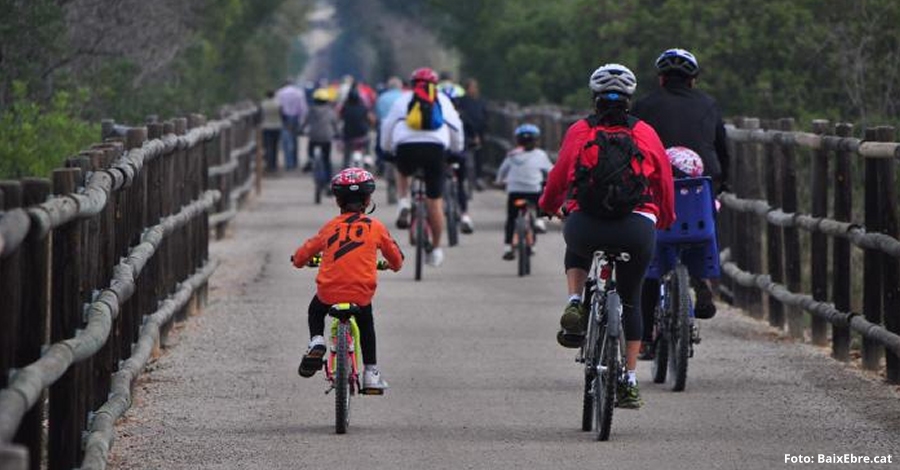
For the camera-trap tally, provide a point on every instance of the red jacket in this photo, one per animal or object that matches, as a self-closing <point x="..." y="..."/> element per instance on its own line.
<point x="655" y="167"/>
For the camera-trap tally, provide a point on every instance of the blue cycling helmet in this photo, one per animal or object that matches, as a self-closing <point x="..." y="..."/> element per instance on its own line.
<point x="526" y="130"/>
<point x="678" y="61"/>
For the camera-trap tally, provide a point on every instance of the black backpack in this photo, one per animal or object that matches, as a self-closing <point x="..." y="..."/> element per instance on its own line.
<point x="611" y="189"/>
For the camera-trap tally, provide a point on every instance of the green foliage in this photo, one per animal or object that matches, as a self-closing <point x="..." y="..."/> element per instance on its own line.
<point x="770" y="58"/>
<point x="35" y="139"/>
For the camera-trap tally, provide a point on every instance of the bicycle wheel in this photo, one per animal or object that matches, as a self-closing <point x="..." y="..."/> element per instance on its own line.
<point x="522" y="245"/>
<point x="589" y="352"/>
<point x="420" y="237"/>
<point x="342" y="380"/>
<point x="389" y="177"/>
<point x="680" y="328"/>
<point x="661" y="319"/>
<point x="605" y="384"/>
<point x="451" y="210"/>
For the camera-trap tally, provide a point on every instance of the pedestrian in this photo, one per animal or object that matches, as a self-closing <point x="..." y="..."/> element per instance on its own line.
<point x="293" y="109"/>
<point x="270" y="112"/>
<point x="473" y="111"/>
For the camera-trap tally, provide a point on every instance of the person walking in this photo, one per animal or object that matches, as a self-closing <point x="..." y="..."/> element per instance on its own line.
<point x="292" y="100"/>
<point x="270" y="111"/>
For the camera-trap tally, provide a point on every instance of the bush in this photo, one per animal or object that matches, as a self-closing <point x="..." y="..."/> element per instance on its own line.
<point x="35" y="139"/>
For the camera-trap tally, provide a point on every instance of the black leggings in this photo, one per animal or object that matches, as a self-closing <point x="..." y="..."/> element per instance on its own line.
<point x="512" y="212"/>
<point x="634" y="234"/>
<point x="326" y="154"/>
<point x="317" y="313"/>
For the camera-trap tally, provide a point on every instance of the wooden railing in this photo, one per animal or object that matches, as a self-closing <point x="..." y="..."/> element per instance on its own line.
<point x="772" y="248"/>
<point x="95" y="266"/>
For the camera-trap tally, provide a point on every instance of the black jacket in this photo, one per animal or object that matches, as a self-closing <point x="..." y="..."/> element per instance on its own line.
<point x="683" y="116"/>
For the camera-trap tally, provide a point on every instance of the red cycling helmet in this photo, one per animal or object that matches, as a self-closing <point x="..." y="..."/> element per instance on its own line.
<point x="352" y="185"/>
<point x="424" y="74"/>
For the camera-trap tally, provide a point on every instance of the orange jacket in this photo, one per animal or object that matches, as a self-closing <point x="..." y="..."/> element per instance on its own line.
<point x="349" y="245"/>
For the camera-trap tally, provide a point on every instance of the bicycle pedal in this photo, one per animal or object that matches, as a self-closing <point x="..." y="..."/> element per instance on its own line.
<point x="372" y="391"/>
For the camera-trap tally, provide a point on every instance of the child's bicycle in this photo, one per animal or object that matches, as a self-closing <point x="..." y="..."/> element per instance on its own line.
<point x="342" y="368"/>
<point x="524" y="234"/>
<point x="603" y="349"/>
<point x="687" y="248"/>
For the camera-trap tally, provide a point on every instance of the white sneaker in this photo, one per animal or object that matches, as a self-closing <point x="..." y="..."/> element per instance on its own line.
<point x="403" y="206"/>
<point x="435" y="258"/>
<point x="540" y="226"/>
<point x="372" y="379"/>
<point x="466" y="225"/>
<point x="317" y="342"/>
<point x="312" y="360"/>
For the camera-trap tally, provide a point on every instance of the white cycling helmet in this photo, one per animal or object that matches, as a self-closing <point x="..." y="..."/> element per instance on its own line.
<point x="678" y="60"/>
<point x="612" y="79"/>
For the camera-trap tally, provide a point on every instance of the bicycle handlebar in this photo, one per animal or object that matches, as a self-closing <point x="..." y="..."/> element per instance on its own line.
<point x="316" y="261"/>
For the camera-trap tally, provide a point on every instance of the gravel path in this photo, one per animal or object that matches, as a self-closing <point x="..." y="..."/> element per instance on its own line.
<point x="477" y="378"/>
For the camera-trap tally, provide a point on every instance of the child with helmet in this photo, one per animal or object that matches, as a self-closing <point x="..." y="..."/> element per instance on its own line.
<point x="523" y="171"/>
<point x="348" y="245"/>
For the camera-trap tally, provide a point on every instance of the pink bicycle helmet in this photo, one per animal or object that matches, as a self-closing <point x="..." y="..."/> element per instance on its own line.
<point x="685" y="162"/>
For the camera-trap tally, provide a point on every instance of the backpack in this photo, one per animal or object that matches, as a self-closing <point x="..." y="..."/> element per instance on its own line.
<point x="611" y="189"/>
<point x="424" y="110"/>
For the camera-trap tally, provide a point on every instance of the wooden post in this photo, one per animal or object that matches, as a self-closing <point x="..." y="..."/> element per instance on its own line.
<point x="33" y="323"/>
<point x="872" y="266"/>
<point x="65" y="423"/>
<point x="841" y="275"/>
<point x="774" y="243"/>
<point x="754" y="225"/>
<point x="10" y="289"/>
<point x="791" y="236"/>
<point x="890" y="265"/>
<point x="819" y="245"/>
<point x="739" y="220"/>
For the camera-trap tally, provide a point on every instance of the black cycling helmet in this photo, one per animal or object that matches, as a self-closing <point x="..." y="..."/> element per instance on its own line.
<point x="677" y="61"/>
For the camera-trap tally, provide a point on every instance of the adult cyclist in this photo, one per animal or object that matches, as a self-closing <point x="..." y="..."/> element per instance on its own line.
<point x="612" y="86"/>
<point x="686" y="117"/>
<point x="422" y="149"/>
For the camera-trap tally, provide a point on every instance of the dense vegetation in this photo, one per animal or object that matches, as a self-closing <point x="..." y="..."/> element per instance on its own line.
<point x="65" y="64"/>
<point x="838" y="59"/>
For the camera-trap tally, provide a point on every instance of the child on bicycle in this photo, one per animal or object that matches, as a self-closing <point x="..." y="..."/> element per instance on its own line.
<point x="348" y="245"/>
<point x="524" y="171"/>
<point x="321" y="125"/>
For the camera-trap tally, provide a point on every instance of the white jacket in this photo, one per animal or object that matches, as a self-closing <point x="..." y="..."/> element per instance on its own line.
<point x="394" y="130"/>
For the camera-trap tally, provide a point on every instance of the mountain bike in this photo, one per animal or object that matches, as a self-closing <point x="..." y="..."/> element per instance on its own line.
<point x="342" y="368"/>
<point x="524" y="234"/>
<point x="687" y="249"/>
<point x="451" y="202"/>
<point x="419" y="229"/>
<point x="603" y="349"/>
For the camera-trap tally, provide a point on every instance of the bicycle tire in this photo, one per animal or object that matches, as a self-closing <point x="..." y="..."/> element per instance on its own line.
<point x="342" y="380"/>
<point x="521" y="246"/>
<point x="319" y="178"/>
<point x="660" y="365"/>
<point x="605" y="387"/>
<point x="451" y="210"/>
<point x="680" y="331"/>
<point x="420" y="237"/>
<point x="587" y="409"/>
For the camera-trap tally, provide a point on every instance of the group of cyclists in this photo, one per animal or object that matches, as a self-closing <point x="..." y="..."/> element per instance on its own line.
<point x="676" y="116"/>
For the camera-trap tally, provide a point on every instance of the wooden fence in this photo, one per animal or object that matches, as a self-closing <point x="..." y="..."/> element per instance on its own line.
<point x="96" y="265"/>
<point x="772" y="249"/>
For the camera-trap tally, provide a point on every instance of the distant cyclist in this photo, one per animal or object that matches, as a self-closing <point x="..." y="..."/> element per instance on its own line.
<point x="633" y="229"/>
<point x="348" y="244"/>
<point x="423" y="148"/>
<point x="523" y="171"/>
<point x="687" y="117"/>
